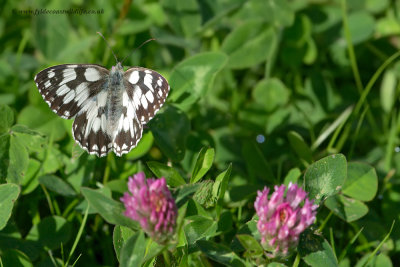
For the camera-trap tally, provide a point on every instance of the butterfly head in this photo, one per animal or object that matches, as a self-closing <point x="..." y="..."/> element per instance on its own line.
<point x="117" y="67"/>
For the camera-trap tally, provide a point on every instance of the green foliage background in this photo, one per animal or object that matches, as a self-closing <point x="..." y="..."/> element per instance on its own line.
<point x="261" y="90"/>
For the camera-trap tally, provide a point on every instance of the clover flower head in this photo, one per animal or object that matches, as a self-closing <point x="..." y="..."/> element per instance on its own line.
<point x="150" y="202"/>
<point x="283" y="218"/>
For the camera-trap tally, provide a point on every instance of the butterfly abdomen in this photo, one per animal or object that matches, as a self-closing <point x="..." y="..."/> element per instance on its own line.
<point x="114" y="99"/>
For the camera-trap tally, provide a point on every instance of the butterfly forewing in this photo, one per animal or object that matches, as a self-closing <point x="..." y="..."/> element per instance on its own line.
<point x="65" y="88"/>
<point x="147" y="90"/>
<point x="110" y="107"/>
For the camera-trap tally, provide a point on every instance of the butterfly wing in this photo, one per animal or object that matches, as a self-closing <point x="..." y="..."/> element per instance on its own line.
<point x="91" y="126"/>
<point x="129" y="129"/>
<point x="78" y="90"/>
<point x="83" y="91"/>
<point x="65" y="88"/>
<point x="147" y="89"/>
<point x="145" y="93"/>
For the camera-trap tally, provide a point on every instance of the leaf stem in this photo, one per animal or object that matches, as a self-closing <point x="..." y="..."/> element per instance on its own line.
<point x="107" y="169"/>
<point x="78" y="236"/>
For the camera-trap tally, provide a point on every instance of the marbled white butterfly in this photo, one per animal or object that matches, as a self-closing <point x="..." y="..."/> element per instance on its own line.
<point x="109" y="107"/>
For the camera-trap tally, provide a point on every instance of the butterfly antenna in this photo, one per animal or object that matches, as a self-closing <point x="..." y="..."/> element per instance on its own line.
<point x="145" y="42"/>
<point x="99" y="33"/>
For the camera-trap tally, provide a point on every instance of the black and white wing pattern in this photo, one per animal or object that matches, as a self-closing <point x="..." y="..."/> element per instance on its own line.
<point x="147" y="89"/>
<point x="66" y="87"/>
<point x="145" y="93"/>
<point x="109" y="107"/>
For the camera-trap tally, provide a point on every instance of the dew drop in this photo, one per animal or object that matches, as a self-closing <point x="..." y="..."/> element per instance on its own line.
<point x="260" y="138"/>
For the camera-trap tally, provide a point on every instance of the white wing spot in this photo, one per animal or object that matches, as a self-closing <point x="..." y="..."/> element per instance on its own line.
<point x="66" y="113"/>
<point x="88" y="105"/>
<point x="47" y="84"/>
<point x="96" y="124"/>
<point x="81" y="88"/>
<point x="104" y="149"/>
<point x="69" y="75"/>
<point x="91" y="116"/>
<point x="131" y="128"/>
<point x="147" y="71"/>
<point x="124" y="146"/>
<point x="51" y="74"/>
<point x="69" y="97"/>
<point x="92" y="75"/>
<point x="120" y="125"/>
<point x="103" y="123"/>
<point x="134" y="77"/>
<point x="130" y="109"/>
<point x="144" y="102"/>
<point x="82" y="93"/>
<point x="126" y="124"/>
<point x="159" y="82"/>
<point x="147" y="81"/>
<point x="102" y="99"/>
<point x="137" y="96"/>
<point x="95" y="147"/>
<point x="62" y="90"/>
<point x="125" y="99"/>
<point x="149" y="96"/>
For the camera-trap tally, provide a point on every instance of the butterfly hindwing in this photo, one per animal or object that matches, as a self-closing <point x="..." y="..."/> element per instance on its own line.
<point x="129" y="129"/>
<point x="91" y="126"/>
<point x="147" y="89"/>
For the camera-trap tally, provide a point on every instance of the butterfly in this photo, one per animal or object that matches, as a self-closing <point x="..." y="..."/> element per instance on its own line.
<point x="110" y="107"/>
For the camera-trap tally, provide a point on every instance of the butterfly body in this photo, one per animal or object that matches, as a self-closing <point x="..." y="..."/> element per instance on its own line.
<point x="110" y="107"/>
<point x="115" y="87"/>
